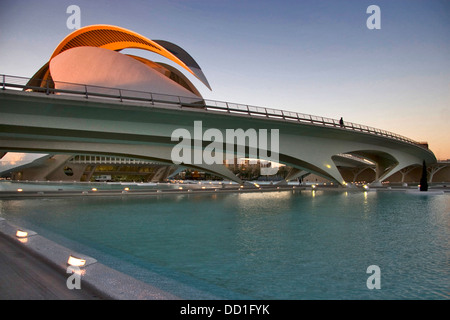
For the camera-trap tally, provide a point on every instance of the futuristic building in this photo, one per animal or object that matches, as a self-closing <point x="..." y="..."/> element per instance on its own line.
<point x="92" y="56"/>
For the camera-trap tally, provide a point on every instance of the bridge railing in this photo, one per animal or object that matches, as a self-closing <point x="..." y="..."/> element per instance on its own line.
<point x="124" y="95"/>
<point x="303" y="118"/>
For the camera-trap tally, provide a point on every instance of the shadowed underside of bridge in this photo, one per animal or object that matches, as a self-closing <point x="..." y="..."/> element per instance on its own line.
<point x="33" y="122"/>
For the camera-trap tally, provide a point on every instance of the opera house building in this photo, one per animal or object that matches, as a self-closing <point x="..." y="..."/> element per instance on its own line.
<point x="93" y="56"/>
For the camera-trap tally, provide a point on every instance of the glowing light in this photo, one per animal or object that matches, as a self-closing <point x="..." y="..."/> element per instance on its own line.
<point x="313" y="186"/>
<point x="180" y="188"/>
<point x="21" y="234"/>
<point x="366" y="186"/>
<point x="127" y="189"/>
<point x="76" y="262"/>
<point x="94" y="189"/>
<point x="203" y="187"/>
<point x="19" y="190"/>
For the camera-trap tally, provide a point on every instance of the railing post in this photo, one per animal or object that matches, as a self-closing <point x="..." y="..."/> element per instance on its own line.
<point x="47" y="91"/>
<point x="120" y="95"/>
<point x="85" y="91"/>
<point x="4" y="82"/>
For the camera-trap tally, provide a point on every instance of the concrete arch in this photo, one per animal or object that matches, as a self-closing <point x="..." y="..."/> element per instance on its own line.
<point x="390" y="162"/>
<point x="384" y="162"/>
<point x="157" y="153"/>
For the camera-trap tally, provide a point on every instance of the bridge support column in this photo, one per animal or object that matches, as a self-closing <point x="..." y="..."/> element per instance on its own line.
<point x="293" y="174"/>
<point x="434" y="169"/>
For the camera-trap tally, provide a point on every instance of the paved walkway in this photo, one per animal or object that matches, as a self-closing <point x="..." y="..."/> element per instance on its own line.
<point x="25" y="277"/>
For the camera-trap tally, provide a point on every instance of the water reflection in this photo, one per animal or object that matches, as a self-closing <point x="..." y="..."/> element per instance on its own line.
<point x="278" y="245"/>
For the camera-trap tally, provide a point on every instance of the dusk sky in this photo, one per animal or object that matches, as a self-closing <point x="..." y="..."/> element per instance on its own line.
<point x="315" y="57"/>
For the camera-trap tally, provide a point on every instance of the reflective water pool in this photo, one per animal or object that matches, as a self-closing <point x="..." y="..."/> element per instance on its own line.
<point x="272" y="245"/>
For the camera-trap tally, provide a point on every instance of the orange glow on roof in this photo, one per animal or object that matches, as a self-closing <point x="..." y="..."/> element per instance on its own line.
<point x="116" y="39"/>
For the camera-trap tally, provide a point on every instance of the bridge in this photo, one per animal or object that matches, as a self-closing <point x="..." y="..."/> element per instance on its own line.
<point x="88" y="119"/>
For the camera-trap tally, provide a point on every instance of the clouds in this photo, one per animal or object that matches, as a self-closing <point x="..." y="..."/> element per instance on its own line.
<point x="16" y="159"/>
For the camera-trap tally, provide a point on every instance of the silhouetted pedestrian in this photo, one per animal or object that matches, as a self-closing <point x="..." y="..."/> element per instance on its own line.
<point x="341" y="122"/>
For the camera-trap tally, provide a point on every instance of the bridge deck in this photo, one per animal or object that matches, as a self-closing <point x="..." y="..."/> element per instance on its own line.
<point x="122" y="95"/>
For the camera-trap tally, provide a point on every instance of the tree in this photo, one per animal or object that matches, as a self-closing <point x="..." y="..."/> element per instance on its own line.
<point x="423" y="179"/>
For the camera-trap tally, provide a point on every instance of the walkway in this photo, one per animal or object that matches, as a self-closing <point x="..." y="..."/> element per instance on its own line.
<point x="25" y="277"/>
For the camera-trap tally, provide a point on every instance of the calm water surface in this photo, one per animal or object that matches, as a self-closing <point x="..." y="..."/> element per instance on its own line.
<point x="277" y="245"/>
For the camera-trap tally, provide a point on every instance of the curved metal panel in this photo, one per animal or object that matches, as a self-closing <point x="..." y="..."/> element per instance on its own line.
<point x="181" y="54"/>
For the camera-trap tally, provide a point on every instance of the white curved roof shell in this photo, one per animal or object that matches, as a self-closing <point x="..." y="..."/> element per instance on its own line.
<point x="106" y="68"/>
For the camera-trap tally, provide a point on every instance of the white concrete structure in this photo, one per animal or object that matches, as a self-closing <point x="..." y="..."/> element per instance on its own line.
<point x="106" y="68"/>
<point x="35" y="122"/>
